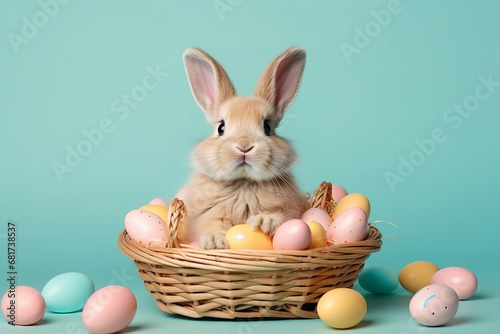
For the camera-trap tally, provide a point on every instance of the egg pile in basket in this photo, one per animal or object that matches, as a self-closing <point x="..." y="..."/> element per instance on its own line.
<point x="235" y="283"/>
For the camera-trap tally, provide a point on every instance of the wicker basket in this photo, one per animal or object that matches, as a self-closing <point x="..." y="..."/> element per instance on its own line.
<point x="246" y="283"/>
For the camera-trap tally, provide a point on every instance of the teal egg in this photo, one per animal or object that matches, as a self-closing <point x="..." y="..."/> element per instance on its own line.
<point x="378" y="280"/>
<point x="67" y="292"/>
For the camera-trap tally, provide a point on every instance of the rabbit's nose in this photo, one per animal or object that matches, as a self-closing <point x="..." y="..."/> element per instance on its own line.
<point x="244" y="150"/>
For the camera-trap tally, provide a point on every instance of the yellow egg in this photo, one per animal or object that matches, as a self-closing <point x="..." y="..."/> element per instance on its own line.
<point x="158" y="210"/>
<point x="342" y="308"/>
<point x="318" y="234"/>
<point x="351" y="200"/>
<point x="243" y="236"/>
<point x="416" y="275"/>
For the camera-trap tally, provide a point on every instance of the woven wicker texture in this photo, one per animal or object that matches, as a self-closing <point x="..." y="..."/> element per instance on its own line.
<point x="246" y="283"/>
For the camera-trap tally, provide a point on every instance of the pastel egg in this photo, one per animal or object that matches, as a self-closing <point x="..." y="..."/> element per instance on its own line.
<point x="109" y="310"/>
<point x="378" y="280"/>
<point x="434" y="305"/>
<point x="351" y="225"/>
<point x="23" y="305"/>
<point x="350" y="201"/>
<point x="293" y="234"/>
<point x="67" y="292"/>
<point x="342" y="308"/>
<point x="416" y="275"/>
<point x="159" y="201"/>
<point x="146" y="228"/>
<point x="318" y="235"/>
<point x="159" y="210"/>
<point x="463" y="281"/>
<point x="338" y="192"/>
<point x="243" y="236"/>
<point x="318" y="215"/>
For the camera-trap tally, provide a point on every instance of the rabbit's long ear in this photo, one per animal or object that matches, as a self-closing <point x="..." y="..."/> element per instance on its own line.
<point x="280" y="82"/>
<point x="209" y="82"/>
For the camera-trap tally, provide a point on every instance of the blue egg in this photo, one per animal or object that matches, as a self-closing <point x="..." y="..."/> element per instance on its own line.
<point x="67" y="292"/>
<point x="378" y="280"/>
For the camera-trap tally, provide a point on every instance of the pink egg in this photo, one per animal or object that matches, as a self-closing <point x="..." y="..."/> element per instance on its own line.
<point x="23" y="305"/>
<point x="109" y="310"/>
<point x="317" y="215"/>
<point x="338" y="192"/>
<point x="463" y="281"/>
<point x="146" y="228"/>
<point x="293" y="234"/>
<point x="159" y="201"/>
<point x="434" y="305"/>
<point x="350" y="225"/>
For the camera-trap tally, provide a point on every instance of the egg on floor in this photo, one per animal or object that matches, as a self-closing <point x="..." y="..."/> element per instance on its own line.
<point x="67" y="292"/>
<point x="462" y="280"/>
<point x="109" y="310"/>
<point x="434" y="305"/>
<point x="378" y="280"/>
<point x="243" y="236"/>
<point x="416" y="275"/>
<point x="342" y="308"/>
<point x="24" y="306"/>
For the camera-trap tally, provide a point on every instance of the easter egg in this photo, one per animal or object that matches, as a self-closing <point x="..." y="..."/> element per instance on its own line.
<point x="338" y="192"/>
<point x="351" y="225"/>
<point x="434" y="305"/>
<point x="342" y="308"/>
<point x="318" y="215"/>
<point x="318" y="236"/>
<point x="67" y="292"/>
<point x="109" y="310"/>
<point x="23" y="305"/>
<point x="159" y="210"/>
<point x="416" y="275"/>
<point x="378" y="280"/>
<point x="159" y="201"/>
<point x="146" y="228"/>
<point x="463" y="281"/>
<point x="243" y="236"/>
<point x="293" y="234"/>
<point x="350" y="201"/>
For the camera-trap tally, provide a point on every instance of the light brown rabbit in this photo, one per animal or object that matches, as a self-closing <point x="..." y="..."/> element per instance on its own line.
<point x="242" y="171"/>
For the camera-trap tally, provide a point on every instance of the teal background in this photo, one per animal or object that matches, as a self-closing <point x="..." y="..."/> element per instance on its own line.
<point x="353" y="119"/>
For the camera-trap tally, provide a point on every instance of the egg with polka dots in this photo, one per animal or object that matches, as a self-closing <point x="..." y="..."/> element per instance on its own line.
<point x="351" y="225"/>
<point x="434" y="305"/>
<point x="146" y="228"/>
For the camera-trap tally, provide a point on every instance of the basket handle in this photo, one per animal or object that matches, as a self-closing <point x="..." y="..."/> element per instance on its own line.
<point x="322" y="198"/>
<point x="175" y="222"/>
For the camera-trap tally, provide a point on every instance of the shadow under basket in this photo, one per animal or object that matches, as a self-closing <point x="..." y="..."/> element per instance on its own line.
<point x="228" y="284"/>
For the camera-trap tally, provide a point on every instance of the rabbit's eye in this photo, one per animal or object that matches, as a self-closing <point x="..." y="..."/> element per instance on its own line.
<point x="267" y="128"/>
<point x="221" y="128"/>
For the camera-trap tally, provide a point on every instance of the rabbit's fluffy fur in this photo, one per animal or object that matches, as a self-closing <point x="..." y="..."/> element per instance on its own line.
<point x="242" y="171"/>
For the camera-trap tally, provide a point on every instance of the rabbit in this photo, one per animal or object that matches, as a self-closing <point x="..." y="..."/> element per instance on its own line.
<point x="241" y="172"/>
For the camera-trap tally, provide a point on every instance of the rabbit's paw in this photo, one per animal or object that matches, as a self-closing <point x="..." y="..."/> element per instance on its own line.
<point x="214" y="240"/>
<point x="266" y="222"/>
